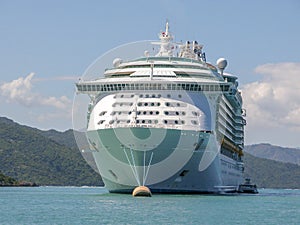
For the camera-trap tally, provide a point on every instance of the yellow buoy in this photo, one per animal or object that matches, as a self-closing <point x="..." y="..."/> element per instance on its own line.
<point x="141" y="191"/>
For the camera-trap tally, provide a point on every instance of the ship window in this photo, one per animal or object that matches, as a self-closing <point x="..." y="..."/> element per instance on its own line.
<point x="137" y="121"/>
<point x="194" y="122"/>
<point x="102" y="113"/>
<point x="111" y="122"/>
<point x="139" y="112"/>
<point x="166" y="113"/>
<point x="147" y="96"/>
<point x="153" y="96"/>
<point x="144" y="112"/>
<point x="179" y="96"/>
<point x="169" y="96"/>
<point x="182" y="121"/>
<point x="152" y="104"/>
<point x="159" y="95"/>
<point x="128" y="121"/>
<point x="158" y="104"/>
<point x="139" y="104"/>
<point x="101" y="122"/>
<point x="177" y="113"/>
<point x="155" y="121"/>
<point x="129" y="113"/>
<point x="151" y="112"/>
<point x="149" y="121"/>
<point x="165" y="121"/>
<point x="178" y="104"/>
<point x="141" y="96"/>
<point x="145" y="104"/>
<point x="176" y="121"/>
<point x="167" y="103"/>
<point x="195" y="113"/>
<point x="113" y="113"/>
<point x="157" y="112"/>
<point x="143" y="121"/>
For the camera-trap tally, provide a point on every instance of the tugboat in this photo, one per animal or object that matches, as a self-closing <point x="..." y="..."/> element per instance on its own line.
<point x="247" y="187"/>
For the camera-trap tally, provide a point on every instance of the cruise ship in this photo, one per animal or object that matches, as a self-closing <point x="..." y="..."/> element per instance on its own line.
<point x="170" y="121"/>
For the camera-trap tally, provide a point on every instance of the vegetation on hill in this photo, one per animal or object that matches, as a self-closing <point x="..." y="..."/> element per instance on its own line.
<point x="28" y="154"/>
<point x="6" y="181"/>
<point x="271" y="174"/>
<point x="52" y="158"/>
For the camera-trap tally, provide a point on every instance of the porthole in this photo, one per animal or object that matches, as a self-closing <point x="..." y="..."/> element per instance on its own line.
<point x="176" y="121"/>
<point x="111" y="122"/>
<point x="141" y="96"/>
<point x="165" y="121"/>
<point x="182" y="122"/>
<point x="178" y="104"/>
<point x="129" y="113"/>
<point x="157" y="112"/>
<point x="147" y="96"/>
<point x="137" y="121"/>
<point x="128" y="121"/>
<point x="143" y="121"/>
<point x="149" y="121"/>
<point x="168" y="95"/>
<point x="102" y="113"/>
<point x="113" y="113"/>
<point x="130" y="104"/>
<point x="166" y="113"/>
<point x="131" y="96"/>
<point x="139" y="104"/>
<point x="183" y="113"/>
<point x="195" y="113"/>
<point x="118" y="121"/>
<point x="158" y="104"/>
<point x="144" y="112"/>
<point x="167" y="103"/>
<point x="155" y="121"/>
<point x="159" y="95"/>
<point x="139" y="112"/>
<point x="145" y="104"/>
<point x="179" y="96"/>
<point x="177" y="113"/>
<point x="194" y="122"/>
<point x="152" y="104"/>
<point x="151" y="112"/>
<point x="153" y="96"/>
<point x="122" y="96"/>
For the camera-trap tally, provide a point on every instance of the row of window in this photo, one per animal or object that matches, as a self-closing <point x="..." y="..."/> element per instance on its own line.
<point x="167" y="113"/>
<point x="172" y="122"/>
<point x="151" y="86"/>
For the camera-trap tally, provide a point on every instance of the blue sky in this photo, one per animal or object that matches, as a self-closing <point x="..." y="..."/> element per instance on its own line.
<point x="58" y="40"/>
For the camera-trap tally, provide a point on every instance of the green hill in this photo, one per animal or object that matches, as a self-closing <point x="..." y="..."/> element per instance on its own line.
<point x="6" y="181"/>
<point x="28" y="154"/>
<point x="52" y="158"/>
<point x="271" y="174"/>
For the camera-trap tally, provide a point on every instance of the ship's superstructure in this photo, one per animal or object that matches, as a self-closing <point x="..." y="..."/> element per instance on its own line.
<point x="172" y="122"/>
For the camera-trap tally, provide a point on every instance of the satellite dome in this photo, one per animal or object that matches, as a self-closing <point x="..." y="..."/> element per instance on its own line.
<point x="117" y="62"/>
<point x="221" y="63"/>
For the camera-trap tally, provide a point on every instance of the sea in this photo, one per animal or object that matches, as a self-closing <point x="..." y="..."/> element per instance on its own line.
<point x="94" y="205"/>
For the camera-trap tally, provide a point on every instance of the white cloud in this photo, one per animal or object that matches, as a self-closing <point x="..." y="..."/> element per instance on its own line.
<point x="274" y="101"/>
<point x="20" y="91"/>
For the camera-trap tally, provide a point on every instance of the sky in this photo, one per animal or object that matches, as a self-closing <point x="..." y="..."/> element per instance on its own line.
<point x="46" y="46"/>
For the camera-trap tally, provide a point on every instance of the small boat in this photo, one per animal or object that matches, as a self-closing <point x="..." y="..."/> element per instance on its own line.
<point x="247" y="187"/>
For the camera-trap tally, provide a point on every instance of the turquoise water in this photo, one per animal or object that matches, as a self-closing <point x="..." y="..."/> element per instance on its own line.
<point x="75" y="205"/>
